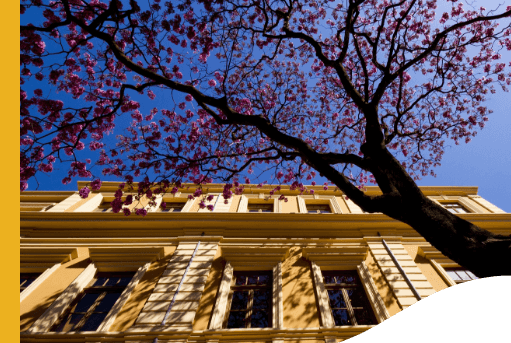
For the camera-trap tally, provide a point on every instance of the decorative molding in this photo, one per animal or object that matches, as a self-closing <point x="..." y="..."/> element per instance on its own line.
<point x="327" y="320"/>
<point x="486" y="204"/>
<point x="38" y="281"/>
<point x="254" y="257"/>
<point x="277" y="298"/>
<point x="354" y="208"/>
<point x="220" y="308"/>
<point x="336" y="257"/>
<point x="50" y="316"/>
<point x="119" y="304"/>
<point x="66" y="203"/>
<point x="47" y="255"/>
<point x="379" y="308"/>
<point x="91" y="204"/>
<point x="133" y="255"/>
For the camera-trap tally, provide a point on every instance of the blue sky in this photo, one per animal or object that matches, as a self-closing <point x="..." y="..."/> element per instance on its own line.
<point x="485" y="162"/>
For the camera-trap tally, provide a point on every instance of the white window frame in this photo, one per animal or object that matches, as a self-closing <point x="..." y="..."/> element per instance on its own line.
<point x="259" y="199"/>
<point x="343" y="258"/>
<point x="246" y="259"/>
<point x="331" y="200"/>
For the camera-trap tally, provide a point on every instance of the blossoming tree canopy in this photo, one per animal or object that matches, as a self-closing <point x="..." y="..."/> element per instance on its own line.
<point x="360" y="91"/>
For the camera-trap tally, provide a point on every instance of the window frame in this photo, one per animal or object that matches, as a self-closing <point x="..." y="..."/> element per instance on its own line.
<point x="341" y="257"/>
<point x="250" y="289"/>
<point x="92" y="288"/>
<point x="455" y="269"/>
<point x="260" y="198"/>
<point x="343" y="287"/>
<point x="330" y="200"/>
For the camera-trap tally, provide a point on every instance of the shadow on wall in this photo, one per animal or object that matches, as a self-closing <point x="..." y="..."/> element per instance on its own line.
<point x="382" y="285"/>
<point x="130" y="311"/>
<point x="54" y="283"/>
<point x="300" y="305"/>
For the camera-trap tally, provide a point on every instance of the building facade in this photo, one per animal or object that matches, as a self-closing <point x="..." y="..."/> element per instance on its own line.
<point x="314" y="268"/>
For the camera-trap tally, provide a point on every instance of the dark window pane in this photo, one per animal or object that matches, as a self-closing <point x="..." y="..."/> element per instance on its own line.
<point x="336" y="298"/>
<point x="236" y="319"/>
<point x="100" y="281"/>
<point x="112" y="281"/>
<point x="348" y="279"/>
<point x="86" y="302"/>
<point x="108" y="302"/>
<point x="252" y="280"/>
<point x="27" y="282"/>
<point x="93" y="322"/>
<point x="259" y="319"/>
<point x="357" y="297"/>
<point x="239" y="300"/>
<point x="261" y="299"/>
<point x="263" y="280"/>
<point x="329" y="279"/>
<point x="124" y="281"/>
<point x="364" y="317"/>
<point x="241" y="280"/>
<point x="341" y="317"/>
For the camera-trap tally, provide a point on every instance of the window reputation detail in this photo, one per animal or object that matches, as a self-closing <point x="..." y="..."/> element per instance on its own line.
<point x="460" y="275"/>
<point x="348" y="300"/>
<point x="455" y="207"/>
<point x="320" y="208"/>
<point x="260" y="208"/>
<point x="250" y="300"/>
<point x="91" y="307"/>
<point x="26" y="280"/>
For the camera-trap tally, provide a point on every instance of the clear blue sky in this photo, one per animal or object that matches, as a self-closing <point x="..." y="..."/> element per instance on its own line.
<point x="485" y="162"/>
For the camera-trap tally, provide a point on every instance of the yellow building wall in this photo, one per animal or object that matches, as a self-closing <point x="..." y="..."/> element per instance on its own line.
<point x="384" y="289"/>
<point x="207" y="301"/>
<point x="130" y="311"/>
<point x="47" y="292"/>
<point x="300" y="309"/>
<point x="426" y="268"/>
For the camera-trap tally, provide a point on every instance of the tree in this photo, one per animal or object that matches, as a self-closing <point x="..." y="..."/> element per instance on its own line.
<point x="359" y="91"/>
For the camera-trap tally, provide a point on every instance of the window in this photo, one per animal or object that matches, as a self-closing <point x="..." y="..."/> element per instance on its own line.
<point x="460" y="275"/>
<point x="260" y="208"/>
<point x="250" y="300"/>
<point x="104" y="207"/>
<point x="173" y="207"/>
<point x="348" y="300"/>
<point x="455" y="207"/>
<point x="26" y="280"/>
<point x="325" y="208"/>
<point x="91" y="307"/>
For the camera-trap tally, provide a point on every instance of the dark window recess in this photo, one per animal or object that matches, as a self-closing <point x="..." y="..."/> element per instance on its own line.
<point x="91" y="307"/>
<point x="26" y="280"/>
<point x="318" y="209"/>
<point x="260" y="208"/>
<point x="173" y="207"/>
<point x="348" y="299"/>
<point x="454" y="207"/>
<point x="250" y="300"/>
<point x="460" y="275"/>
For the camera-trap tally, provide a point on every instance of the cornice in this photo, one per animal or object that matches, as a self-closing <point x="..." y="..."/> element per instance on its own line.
<point x="254" y="189"/>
